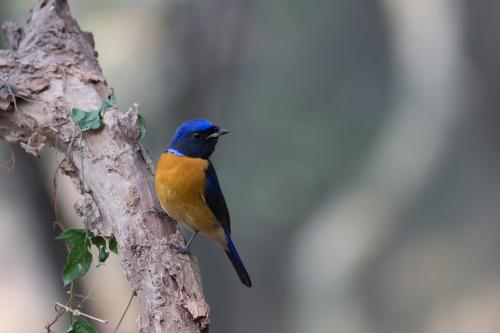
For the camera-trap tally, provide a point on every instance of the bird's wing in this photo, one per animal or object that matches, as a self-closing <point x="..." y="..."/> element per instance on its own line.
<point x="215" y="198"/>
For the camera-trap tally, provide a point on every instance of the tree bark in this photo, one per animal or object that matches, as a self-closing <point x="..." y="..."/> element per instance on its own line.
<point x="51" y="68"/>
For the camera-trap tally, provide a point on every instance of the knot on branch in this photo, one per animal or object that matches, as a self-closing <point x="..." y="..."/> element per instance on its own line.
<point x="128" y="125"/>
<point x="36" y="143"/>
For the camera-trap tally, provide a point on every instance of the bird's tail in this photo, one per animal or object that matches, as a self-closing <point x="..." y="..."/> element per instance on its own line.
<point x="233" y="255"/>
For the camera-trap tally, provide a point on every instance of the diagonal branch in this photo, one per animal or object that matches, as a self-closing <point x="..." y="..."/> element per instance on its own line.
<point x="51" y="68"/>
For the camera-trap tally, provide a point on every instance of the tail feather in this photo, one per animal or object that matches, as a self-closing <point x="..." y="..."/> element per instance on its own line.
<point x="234" y="257"/>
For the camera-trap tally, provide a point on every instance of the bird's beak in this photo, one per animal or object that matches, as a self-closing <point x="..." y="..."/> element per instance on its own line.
<point x="220" y="131"/>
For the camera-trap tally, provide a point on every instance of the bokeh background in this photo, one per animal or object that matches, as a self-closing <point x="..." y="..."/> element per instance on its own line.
<point x="362" y="171"/>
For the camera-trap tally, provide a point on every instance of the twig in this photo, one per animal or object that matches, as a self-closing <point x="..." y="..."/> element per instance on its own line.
<point x="124" y="312"/>
<point x="60" y="312"/>
<point x="84" y="299"/>
<point x="61" y="226"/>
<point x="82" y="173"/>
<point x="91" y="298"/>
<point x="76" y="313"/>
<point x="64" y="122"/>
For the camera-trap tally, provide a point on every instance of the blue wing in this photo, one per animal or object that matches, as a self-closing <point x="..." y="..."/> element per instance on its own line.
<point x="217" y="203"/>
<point x="215" y="198"/>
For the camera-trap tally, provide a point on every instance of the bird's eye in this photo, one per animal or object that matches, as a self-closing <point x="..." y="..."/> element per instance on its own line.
<point x="197" y="135"/>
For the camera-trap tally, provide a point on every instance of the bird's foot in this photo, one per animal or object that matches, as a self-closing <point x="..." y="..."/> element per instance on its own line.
<point x="161" y="213"/>
<point x="185" y="249"/>
<point x="158" y="212"/>
<point x="181" y="249"/>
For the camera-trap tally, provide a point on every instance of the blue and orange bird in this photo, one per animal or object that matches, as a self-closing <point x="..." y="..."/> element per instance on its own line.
<point x="189" y="191"/>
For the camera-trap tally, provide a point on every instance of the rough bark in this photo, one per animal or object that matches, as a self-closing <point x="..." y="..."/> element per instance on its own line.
<point x="51" y="68"/>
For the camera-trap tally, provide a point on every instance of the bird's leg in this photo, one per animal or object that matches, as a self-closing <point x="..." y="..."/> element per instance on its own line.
<point x="191" y="239"/>
<point x="185" y="249"/>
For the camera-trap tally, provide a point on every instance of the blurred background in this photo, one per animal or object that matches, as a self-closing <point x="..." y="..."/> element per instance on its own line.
<point x="362" y="171"/>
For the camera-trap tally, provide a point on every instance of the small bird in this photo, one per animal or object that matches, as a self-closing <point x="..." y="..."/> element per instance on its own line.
<point x="189" y="191"/>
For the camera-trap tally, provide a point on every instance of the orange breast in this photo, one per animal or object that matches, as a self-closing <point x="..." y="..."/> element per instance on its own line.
<point x="180" y="186"/>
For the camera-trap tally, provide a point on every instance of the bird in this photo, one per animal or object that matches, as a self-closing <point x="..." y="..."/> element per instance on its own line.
<point x="189" y="191"/>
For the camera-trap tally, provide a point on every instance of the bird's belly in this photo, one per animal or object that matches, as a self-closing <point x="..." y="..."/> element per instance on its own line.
<point x="180" y="186"/>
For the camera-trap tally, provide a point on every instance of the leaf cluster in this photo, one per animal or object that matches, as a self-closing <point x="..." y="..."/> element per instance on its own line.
<point x="80" y="257"/>
<point x="91" y="120"/>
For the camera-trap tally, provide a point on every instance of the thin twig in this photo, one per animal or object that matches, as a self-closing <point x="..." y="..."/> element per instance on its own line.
<point x="58" y="316"/>
<point x="91" y="298"/>
<point x="64" y="122"/>
<point x="60" y="311"/>
<point x="84" y="299"/>
<point x="61" y="226"/>
<point x="124" y="312"/>
<point x="85" y="219"/>
<point x="57" y="222"/>
<point x="76" y="313"/>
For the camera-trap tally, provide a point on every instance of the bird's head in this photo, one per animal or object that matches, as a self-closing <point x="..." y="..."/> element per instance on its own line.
<point x="195" y="138"/>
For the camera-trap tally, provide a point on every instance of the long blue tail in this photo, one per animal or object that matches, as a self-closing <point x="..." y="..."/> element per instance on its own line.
<point x="233" y="255"/>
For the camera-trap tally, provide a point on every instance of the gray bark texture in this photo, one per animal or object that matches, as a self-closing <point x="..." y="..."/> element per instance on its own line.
<point x="52" y="68"/>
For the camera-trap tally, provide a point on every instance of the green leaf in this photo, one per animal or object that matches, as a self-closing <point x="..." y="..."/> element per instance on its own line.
<point x="86" y="120"/>
<point x="80" y="325"/>
<point x="100" y="243"/>
<point x="72" y="236"/>
<point x="142" y="125"/>
<point x="113" y="245"/>
<point x="103" y="254"/>
<point x="107" y="104"/>
<point x="78" y="264"/>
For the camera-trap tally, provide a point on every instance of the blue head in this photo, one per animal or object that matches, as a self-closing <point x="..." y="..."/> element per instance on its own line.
<point x="195" y="138"/>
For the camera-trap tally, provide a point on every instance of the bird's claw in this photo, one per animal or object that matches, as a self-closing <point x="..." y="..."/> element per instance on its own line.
<point x="158" y="212"/>
<point x="161" y="213"/>
<point x="181" y="249"/>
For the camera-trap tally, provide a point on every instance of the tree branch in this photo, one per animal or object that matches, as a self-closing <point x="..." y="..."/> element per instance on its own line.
<point x="51" y="68"/>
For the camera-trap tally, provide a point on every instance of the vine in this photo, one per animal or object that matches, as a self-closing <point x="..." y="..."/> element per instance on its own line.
<point x="79" y="242"/>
